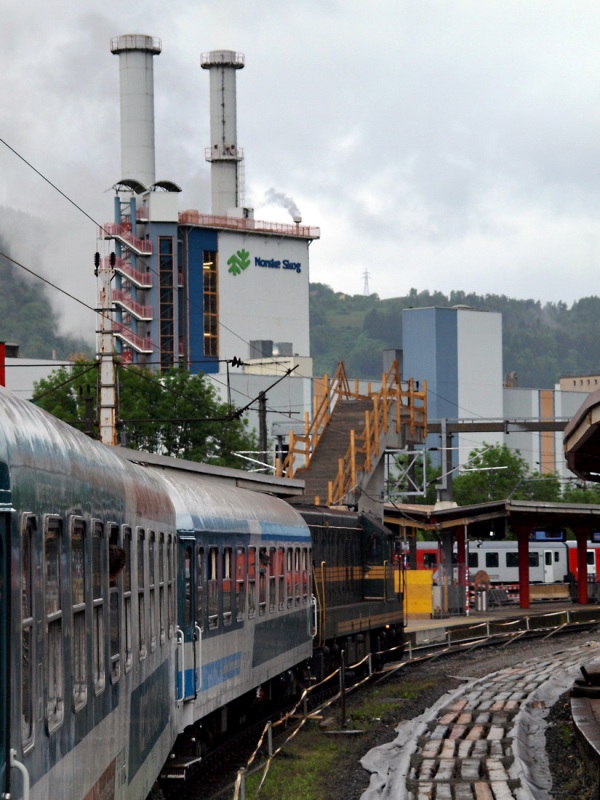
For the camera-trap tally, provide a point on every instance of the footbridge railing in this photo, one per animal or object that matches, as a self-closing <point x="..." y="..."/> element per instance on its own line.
<point x="396" y="403"/>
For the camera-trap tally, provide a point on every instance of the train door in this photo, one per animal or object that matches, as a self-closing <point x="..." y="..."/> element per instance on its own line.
<point x="591" y="565"/>
<point x="190" y="618"/>
<point x="4" y="640"/>
<point x="548" y="566"/>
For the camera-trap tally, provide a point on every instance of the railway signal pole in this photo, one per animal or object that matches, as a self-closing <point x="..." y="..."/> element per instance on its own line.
<point x="107" y="390"/>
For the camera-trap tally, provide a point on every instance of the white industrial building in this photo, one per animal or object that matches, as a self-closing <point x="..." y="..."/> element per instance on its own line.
<point x="191" y="288"/>
<point x="458" y="351"/>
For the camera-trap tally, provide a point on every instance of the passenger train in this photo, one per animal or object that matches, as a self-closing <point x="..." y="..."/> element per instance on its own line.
<point x="549" y="562"/>
<point x="148" y="606"/>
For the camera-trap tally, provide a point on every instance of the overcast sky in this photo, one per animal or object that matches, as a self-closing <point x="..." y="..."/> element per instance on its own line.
<point x="438" y="145"/>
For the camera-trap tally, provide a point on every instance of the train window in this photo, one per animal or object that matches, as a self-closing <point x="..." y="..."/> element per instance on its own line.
<point x="348" y="556"/>
<point x="127" y="614"/>
<point x="492" y="560"/>
<point x="534" y="559"/>
<point x="304" y="575"/>
<point x="79" y="653"/>
<point x="590" y="558"/>
<point x="548" y="558"/>
<point x="213" y="587"/>
<point x="251" y="582"/>
<point x="54" y="656"/>
<point x="289" y="564"/>
<point x="187" y="601"/>
<point x="227" y="586"/>
<point x="28" y="533"/>
<point x="512" y="559"/>
<point x="297" y="575"/>
<point x="240" y="583"/>
<point x="171" y="585"/>
<point x="262" y="580"/>
<point x="272" y="579"/>
<point x="115" y="553"/>
<point x="429" y="560"/>
<point x="98" y="607"/>
<point x="281" y="576"/>
<point x="141" y="580"/>
<point x="161" y="588"/>
<point x="152" y="587"/>
<point x="474" y="560"/>
<point x="200" y="581"/>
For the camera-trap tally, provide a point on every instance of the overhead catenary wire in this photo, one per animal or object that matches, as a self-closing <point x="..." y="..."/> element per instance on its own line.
<point x="100" y="227"/>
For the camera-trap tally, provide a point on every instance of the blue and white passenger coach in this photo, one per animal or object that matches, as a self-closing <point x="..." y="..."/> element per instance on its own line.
<point x="145" y="610"/>
<point x="86" y="641"/>
<point x="244" y="610"/>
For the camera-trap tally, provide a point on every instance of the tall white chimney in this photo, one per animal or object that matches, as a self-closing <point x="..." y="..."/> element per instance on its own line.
<point x="223" y="153"/>
<point x="135" y="53"/>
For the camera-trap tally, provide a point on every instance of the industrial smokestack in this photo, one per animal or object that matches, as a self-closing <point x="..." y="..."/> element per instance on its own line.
<point x="224" y="153"/>
<point x="135" y="53"/>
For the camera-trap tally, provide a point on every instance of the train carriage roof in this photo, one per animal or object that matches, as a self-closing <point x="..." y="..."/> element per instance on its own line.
<point x="34" y="441"/>
<point x="216" y="505"/>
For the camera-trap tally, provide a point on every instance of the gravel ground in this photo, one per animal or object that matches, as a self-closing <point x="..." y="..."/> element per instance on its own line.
<point x="570" y="779"/>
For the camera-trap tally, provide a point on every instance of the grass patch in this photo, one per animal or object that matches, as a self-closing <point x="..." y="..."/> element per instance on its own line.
<point x="383" y="702"/>
<point x="296" y="773"/>
<point x="307" y="765"/>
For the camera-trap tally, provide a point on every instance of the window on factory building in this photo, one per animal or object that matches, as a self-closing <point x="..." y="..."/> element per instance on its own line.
<point x="210" y="303"/>
<point x="166" y="312"/>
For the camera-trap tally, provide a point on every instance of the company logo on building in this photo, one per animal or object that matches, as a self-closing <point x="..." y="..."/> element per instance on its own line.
<point x="241" y="260"/>
<point x="238" y="262"/>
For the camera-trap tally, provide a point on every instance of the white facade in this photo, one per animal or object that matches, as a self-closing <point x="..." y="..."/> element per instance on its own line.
<point x="542" y="452"/>
<point x="479" y="374"/>
<point x="263" y="292"/>
<point x="22" y="373"/>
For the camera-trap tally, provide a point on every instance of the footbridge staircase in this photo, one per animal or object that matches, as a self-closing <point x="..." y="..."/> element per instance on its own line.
<point x="340" y="455"/>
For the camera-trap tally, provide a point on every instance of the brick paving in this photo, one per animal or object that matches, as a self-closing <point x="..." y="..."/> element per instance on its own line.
<point x="466" y="749"/>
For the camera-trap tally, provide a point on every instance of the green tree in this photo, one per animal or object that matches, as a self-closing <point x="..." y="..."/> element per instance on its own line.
<point x="581" y="493"/>
<point x="499" y="473"/>
<point x="174" y="414"/>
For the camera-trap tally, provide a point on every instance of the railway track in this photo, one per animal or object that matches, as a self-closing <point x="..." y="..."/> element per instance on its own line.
<point x="215" y="776"/>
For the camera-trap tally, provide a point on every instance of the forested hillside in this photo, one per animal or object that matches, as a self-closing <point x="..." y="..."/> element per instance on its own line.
<point x="540" y="342"/>
<point x="27" y="318"/>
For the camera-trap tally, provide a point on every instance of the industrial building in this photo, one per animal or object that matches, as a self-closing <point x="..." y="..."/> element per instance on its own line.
<point x="458" y="351"/>
<point x="206" y="291"/>
<point x="195" y="289"/>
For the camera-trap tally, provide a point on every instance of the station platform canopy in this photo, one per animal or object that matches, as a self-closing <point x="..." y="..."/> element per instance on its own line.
<point x="481" y="516"/>
<point x="526" y="520"/>
<point x="582" y="440"/>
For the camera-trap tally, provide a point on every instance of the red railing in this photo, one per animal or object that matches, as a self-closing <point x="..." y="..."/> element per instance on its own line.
<point x="137" y="309"/>
<point x="139" y="343"/>
<point x="245" y="224"/>
<point x="142" y="279"/>
<point x="116" y="230"/>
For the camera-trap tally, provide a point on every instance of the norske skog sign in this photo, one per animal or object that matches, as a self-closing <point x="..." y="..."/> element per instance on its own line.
<point x="242" y="259"/>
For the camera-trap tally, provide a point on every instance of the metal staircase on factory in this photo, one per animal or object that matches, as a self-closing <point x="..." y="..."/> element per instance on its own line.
<point x="340" y="456"/>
